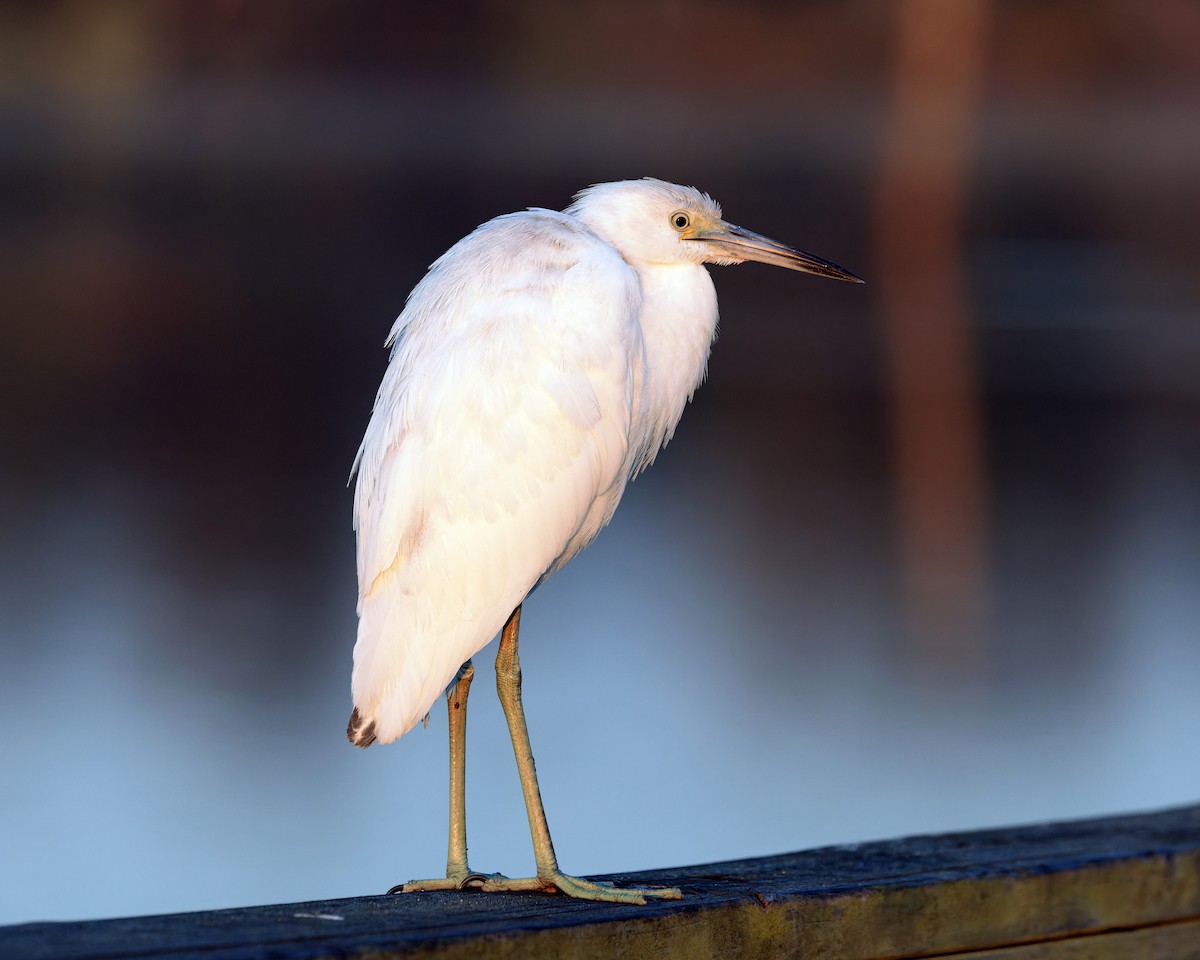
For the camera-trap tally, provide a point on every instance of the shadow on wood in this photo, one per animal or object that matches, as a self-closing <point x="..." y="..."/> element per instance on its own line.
<point x="1120" y="887"/>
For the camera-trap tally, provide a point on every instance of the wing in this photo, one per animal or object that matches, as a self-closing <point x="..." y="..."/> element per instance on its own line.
<point x="498" y="447"/>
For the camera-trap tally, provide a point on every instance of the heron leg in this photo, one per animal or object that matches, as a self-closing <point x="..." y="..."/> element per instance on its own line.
<point x="549" y="877"/>
<point x="458" y="874"/>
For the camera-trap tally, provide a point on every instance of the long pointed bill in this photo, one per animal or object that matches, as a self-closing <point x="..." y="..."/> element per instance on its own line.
<point x="737" y="243"/>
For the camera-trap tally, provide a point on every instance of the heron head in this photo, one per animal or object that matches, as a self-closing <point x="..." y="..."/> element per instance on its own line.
<point x="656" y="222"/>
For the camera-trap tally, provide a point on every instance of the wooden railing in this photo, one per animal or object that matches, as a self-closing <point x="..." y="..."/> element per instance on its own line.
<point x="1119" y="888"/>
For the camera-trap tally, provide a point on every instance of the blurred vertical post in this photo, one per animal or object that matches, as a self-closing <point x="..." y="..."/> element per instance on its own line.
<point x="935" y="393"/>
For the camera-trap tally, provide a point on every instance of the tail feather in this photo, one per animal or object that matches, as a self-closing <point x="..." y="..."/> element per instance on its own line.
<point x="360" y="732"/>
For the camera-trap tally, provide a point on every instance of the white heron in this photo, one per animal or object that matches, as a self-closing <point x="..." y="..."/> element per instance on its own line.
<point x="540" y="364"/>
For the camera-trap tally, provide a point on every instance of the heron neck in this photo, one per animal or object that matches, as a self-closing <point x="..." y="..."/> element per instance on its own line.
<point x="678" y="318"/>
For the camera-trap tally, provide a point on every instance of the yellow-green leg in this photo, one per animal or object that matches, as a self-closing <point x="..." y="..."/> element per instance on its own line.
<point x="458" y="874"/>
<point x="549" y="878"/>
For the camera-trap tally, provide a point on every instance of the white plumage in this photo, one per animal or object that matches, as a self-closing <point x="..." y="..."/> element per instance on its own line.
<point x="517" y="404"/>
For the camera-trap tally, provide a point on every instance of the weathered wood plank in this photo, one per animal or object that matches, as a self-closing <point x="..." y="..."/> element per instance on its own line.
<point x="1172" y="941"/>
<point x="1125" y="887"/>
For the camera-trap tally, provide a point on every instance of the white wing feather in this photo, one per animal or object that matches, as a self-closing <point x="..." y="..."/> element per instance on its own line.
<point x="497" y="449"/>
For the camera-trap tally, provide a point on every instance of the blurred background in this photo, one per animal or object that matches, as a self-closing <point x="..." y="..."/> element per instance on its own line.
<point x="922" y="557"/>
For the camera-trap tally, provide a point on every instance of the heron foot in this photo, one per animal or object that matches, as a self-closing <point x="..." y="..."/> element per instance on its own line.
<point x="459" y="880"/>
<point x="582" y="889"/>
<point x="557" y="882"/>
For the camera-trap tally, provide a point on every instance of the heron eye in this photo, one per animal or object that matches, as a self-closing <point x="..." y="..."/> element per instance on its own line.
<point x="680" y="220"/>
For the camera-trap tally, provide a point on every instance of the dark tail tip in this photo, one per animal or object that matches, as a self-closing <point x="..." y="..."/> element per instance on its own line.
<point x="358" y="733"/>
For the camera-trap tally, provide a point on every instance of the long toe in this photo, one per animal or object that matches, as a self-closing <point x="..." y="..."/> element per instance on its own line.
<point x="454" y="881"/>
<point x="585" y="889"/>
